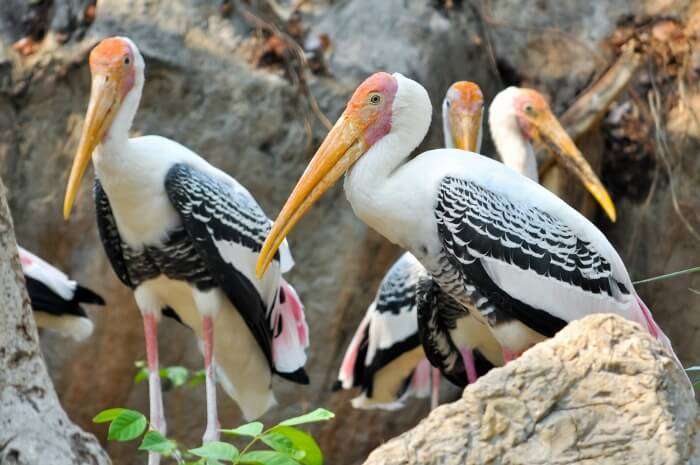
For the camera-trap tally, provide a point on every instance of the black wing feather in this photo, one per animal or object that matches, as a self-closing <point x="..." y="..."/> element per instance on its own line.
<point x="208" y="208"/>
<point x="109" y="234"/>
<point x="437" y="314"/>
<point x="43" y="299"/>
<point x="474" y="222"/>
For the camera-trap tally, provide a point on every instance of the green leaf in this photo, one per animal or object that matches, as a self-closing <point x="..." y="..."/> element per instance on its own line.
<point x="128" y="425"/>
<point x="177" y="375"/>
<point x="108" y="415"/>
<point x="153" y="441"/>
<point x="249" y="429"/>
<point x="281" y="443"/>
<point x="197" y="378"/>
<point x="302" y="442"/>
<point x="216" y="450"/>
<point x="266" y="457"/>
<point x="141" y="376"/>
<point x="320" y="414"/>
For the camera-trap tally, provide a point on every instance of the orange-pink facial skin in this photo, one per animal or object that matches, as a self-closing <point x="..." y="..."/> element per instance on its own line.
<point x="373" y="119"/>
<point x="114" y="59"/>
<point x="465" y="97"/>
<point x="537" y="105"/>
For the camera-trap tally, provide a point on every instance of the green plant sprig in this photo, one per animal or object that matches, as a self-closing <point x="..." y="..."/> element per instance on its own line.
<point x="287" y="444"/>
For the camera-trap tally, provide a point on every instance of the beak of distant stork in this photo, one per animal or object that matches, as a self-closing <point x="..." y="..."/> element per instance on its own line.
<point x="538" y="122"/>
<point x="366" y="119"/>
<point x="111" y="65"/>
<point x="466" y="106"/>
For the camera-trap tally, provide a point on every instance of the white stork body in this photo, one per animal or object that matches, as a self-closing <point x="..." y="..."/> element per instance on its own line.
<point x="384" y="356"/>
<point x="134" y="181"/>
<point x="184" y="236"/>
<point x="56" y="299"/>
<point x="410" y="221"/>
<point x="495" y="241"/>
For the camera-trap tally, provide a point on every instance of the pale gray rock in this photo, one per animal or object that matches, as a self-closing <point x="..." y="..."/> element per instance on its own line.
<point x="603" y="391"/>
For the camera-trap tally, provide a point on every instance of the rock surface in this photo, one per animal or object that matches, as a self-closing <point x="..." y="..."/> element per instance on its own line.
<point x="602" y="391"/>
<point x="203" y="89"/>
<point x="33" y="427"/>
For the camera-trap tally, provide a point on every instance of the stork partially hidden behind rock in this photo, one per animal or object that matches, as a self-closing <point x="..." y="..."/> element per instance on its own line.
<point x="57" y="300"/>
<point x="385" y="358"/>
<point x="185" y="237"/>
<point x="513" y="254"/>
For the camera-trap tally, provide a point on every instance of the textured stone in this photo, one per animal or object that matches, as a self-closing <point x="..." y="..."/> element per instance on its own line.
<point x="602" y="391"/>
<point x="33" y="426"/>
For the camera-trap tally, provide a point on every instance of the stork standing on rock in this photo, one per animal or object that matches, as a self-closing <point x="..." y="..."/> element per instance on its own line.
<point x="57" y="300"/>
<point x="185" y="236"/>
<point x="513" y="135"/>
<point x="513" y="254"/>
<point x="385" y="357"/>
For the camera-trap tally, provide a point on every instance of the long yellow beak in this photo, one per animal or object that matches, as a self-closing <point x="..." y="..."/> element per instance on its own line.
<point x="465" y="128"/>
<point x="341" y="148"/>
<point x="556" y="139"/>
<point x="103" y="106"/>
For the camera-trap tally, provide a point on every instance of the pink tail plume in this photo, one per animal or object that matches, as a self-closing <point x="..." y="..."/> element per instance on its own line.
<point x="347" y="368"/>
<point x="656" y="331"/>
<point x="290" y="331"/>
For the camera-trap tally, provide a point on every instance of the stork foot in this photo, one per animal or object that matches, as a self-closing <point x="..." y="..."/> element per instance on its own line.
<point x="211" y="434"/>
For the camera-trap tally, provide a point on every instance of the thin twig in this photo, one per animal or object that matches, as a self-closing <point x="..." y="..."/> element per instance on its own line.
<point x="298" y="53"/>
<point x="654" y="100"/>
<point x="668" y="276"/>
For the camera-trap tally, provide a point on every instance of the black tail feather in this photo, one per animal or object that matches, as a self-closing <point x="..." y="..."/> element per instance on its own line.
<point x="299" y="376"/>
<point x="86" y="296"/>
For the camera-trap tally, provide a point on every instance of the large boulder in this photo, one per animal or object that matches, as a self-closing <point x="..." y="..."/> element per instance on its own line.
<point x="602" y="391"/>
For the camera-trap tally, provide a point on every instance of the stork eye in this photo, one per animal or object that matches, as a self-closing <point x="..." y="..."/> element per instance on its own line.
<point x="375" y="99"/>
<point x="127" y="60"/>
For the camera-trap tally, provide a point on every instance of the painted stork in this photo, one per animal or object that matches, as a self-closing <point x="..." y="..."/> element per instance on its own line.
<point x="56" y="299"/>
<point x="515" y="255"/>
<point x="185" y="236"/>
<point x="385" y="358"/>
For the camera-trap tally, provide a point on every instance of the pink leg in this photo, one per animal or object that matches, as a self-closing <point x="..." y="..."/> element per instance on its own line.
<point x="435" y="388"/>
<point x="212" y="431"/>
<point x="468" y="359"/>
<point x="150" y="326"/>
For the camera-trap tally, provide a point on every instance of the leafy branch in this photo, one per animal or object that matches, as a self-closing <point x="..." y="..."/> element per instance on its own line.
<point x="287" y="445"/>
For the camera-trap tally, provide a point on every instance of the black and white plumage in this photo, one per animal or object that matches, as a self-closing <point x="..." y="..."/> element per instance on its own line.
<point x="185" y="237"/>
<point x="384" y="353"/>
<point x="56" y="299"/>
<point x="391" y="323"/>
<point x="513" y="254"/>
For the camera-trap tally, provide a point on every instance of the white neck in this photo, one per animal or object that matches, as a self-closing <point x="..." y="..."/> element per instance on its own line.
<point x="446" y="130"/>
<point x="514" y="149"/>
<point x="117" y="136"/>
<point x="366" y="181"/>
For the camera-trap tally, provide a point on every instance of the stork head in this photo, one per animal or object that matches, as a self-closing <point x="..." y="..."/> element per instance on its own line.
<point x="537" y="124"/>
<point x="462" y="112"/>
<point x="115" y="65"/>
<point x="384" y="109"/>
